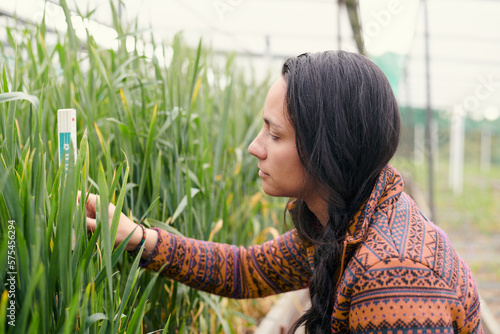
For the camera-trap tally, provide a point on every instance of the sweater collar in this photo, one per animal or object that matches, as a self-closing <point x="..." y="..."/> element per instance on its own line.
<point x="387" y="190"/>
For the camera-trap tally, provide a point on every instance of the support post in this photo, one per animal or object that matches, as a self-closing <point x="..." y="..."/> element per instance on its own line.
<point x="429" y="145"/>
<point x="457" y="134"/>
<point x="418" y="144"/>
<point x="485" y="150"/>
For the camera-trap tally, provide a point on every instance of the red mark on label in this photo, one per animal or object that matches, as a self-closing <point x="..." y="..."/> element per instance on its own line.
<point x="73" y="119"/>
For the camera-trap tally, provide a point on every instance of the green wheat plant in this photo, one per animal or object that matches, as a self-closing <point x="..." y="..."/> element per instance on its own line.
<point x="165" y="144"/>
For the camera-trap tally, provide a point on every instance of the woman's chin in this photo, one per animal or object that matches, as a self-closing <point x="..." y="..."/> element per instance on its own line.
<point x="273" y="191"/>
<point x="269" y="190"/>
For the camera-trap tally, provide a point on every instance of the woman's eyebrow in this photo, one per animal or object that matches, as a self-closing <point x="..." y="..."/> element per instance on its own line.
<point x="271" y="123"/>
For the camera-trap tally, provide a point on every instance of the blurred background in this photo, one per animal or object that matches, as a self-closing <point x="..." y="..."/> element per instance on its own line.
<point x="442" y="58"/>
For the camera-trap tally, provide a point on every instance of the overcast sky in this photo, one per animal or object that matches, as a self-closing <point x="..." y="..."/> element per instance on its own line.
<point x="464" y="37"/>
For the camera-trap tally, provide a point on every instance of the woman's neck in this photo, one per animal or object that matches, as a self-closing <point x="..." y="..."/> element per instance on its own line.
<point x="319" y="208"/>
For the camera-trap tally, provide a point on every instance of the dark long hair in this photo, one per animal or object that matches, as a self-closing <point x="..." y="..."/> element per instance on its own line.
<point x="347" y="128"/>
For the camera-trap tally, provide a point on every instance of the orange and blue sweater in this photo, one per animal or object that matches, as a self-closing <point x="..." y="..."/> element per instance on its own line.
<point x="402" y="274"/>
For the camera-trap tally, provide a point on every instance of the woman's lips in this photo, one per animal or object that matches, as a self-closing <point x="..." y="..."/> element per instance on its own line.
<point x="262" y="173"/>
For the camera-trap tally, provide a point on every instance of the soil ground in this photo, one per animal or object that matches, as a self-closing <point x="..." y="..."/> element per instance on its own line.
<point x="482" y="253"/>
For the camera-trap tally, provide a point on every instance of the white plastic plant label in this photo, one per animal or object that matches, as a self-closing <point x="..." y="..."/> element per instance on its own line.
<point x="66" y="124"/>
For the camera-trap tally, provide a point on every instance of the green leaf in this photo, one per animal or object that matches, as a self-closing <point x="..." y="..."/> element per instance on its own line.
<point x="17" y="96"/>
<point x="163" y="226"/>
<point x="133" y="326"/>
<point x="131" y="280"/>
<point x="71" y="314"/>
<point x="151" y="207"/>
<point x="167" y="324"/>
<point x="182" y="205"/>
<point x="209" y="301"/>
<point x="147" y="153"/>
<point x="94" y="318"/>
<point x="114" y="260"/>
<point x="103" y="219"/>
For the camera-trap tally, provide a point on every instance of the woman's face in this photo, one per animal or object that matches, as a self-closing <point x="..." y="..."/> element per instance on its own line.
<point x="280" y="168"/>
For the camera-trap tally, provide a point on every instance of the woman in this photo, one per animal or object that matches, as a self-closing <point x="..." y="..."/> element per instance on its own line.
<point x="372" y="261"/>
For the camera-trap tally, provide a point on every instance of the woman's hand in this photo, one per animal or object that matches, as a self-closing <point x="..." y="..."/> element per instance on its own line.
<point x="125" y="227"/>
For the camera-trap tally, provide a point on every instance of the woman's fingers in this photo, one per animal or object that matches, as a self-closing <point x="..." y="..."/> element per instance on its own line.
<point x="92" y="205"/>
<point x="91" y="224"/>
<point x="125" y="225"/>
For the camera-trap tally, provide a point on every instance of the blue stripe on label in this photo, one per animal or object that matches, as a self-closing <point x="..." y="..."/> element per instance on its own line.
<point x="64" y="145"/>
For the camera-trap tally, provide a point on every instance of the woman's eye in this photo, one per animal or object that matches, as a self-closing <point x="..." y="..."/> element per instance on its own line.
<point x="273" y="137"/>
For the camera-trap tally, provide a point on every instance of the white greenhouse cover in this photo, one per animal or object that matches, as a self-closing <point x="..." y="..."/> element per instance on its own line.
<point x="464" y="37"/>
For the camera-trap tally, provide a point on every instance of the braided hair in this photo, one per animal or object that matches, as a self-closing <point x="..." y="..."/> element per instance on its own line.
<point x="347" y="128"/>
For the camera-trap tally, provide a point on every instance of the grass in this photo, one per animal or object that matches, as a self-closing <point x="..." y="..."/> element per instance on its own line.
<point x="476" y="207"/>
<point x="166" y="144"/>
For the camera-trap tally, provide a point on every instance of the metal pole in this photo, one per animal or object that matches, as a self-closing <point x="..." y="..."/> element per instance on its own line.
<point x="457" y="134"/>
<point x="339" y="37"/>
<point x="485" y="150"/>
<point x="428" y="142"/>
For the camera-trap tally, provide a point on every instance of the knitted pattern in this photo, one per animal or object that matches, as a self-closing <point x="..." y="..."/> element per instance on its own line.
<point x="402" y="274"/>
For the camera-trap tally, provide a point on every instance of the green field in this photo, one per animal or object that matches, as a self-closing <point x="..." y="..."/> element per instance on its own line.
<point x="166" y="144"/>
<point x="476" y="207"/>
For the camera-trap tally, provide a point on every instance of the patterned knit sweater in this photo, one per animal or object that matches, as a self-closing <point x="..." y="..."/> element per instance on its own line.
<point x="402" y="274"/>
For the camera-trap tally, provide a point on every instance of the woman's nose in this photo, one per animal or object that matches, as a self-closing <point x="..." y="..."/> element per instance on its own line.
<point x="256" y="148"/>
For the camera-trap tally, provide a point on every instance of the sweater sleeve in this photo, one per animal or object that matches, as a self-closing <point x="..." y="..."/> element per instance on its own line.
<point x="403" y="296"/>
<point x="276" y="266"/>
